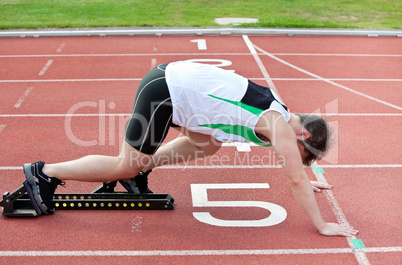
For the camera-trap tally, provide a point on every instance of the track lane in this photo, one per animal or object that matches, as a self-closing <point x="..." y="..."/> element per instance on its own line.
<point x="94" y="221"/>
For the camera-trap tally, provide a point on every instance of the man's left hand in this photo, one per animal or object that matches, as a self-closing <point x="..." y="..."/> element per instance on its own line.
<point x="319" y="186"/>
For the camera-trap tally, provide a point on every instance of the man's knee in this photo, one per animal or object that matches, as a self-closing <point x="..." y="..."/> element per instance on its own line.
<point x="206" y="143"/>
<point x="131" y="161"/>
<point x="208" y="146"/>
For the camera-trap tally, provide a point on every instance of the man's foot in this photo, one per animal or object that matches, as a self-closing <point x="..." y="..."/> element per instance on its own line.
<point x="137" y="184"/>
<point x="40" y="187"/>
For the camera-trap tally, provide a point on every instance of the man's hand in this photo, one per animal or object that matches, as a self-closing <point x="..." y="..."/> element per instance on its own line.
<point x="334" y="229"/>
<point x="319" y="186"/>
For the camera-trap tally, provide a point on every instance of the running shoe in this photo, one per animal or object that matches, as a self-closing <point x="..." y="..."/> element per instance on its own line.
<point x="137" y="184"/>
<point x="40" y="187"/>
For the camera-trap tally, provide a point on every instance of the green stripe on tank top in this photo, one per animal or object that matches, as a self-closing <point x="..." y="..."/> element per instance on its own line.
<point x="254" y="110"/>
<point x="240" y="130"/>
<point x="243" y="131"/>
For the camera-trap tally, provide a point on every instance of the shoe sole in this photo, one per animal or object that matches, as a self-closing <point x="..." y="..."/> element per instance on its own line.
<point x="33" y="189"/>
<point x="128" y="187"/>
<point x="31" y="197"/>
<point x="136" y="191"/>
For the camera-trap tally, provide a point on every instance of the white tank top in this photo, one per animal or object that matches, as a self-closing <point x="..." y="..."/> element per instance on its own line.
<point x="213" y="101"/>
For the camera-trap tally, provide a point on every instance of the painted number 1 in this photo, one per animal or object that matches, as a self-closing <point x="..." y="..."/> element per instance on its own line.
<point x="200" y="199"/>
<point x="202" y="44"/>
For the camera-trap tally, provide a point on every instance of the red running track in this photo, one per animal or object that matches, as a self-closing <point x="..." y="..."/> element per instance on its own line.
<point x="354" y="81"/>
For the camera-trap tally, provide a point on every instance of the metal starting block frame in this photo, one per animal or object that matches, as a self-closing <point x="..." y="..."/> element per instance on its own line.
<point x="18" y="203"/>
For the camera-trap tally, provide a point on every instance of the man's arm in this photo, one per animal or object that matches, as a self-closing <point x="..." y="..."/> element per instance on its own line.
<point x="283" y="140"/>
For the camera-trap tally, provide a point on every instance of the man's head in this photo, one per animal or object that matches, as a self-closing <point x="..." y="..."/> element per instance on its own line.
<point x="316" y="137"/>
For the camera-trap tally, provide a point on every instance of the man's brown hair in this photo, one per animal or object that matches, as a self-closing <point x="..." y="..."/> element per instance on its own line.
<point x="319" y="142"/>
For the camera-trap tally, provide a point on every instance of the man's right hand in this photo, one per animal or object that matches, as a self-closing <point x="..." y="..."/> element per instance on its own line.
<point x="334" y="229"/>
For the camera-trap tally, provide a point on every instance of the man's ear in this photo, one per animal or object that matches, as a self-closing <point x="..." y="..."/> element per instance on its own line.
<point x="303" y="134"/>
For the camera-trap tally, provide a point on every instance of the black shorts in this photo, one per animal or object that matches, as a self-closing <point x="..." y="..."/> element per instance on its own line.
<point x="152" y="113"/>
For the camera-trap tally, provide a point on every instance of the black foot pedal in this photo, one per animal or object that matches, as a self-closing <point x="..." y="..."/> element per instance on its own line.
<point x="113" y="201"/>
<point x="18" y="204"/>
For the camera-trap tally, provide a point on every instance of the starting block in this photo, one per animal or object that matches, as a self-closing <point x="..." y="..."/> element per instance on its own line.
<point x="18" y="203"/>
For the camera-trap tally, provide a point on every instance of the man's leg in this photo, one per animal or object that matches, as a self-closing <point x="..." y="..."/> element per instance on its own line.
<point x="184" y="149"/>
<point x="98" y="168"/>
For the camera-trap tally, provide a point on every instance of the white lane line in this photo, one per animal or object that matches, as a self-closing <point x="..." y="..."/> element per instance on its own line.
<point x="222" y="252"/>
<point x="62" y="115"/>
<point x="2" y="126"/>
<point x="191" y="54"/>
<point x="249" y="44"/>
<point x="251" y="78"/>
<point x="340" y="217"/>
<point x="60" y="47"/>
<point x="153" y="63"/>
<point x="23" y="97"/>
<point x="204" y="166"/>
<point x="44" y="69"/>
<point x="362" y="114"/>
<point x="363" y="166"/>
<point x="11" y="168"/>
<point x="70" y="80"/>
<point x="126" y="114"/>
<point x="241" y="166"/>
<point x="122" y="55"/>
<point x="338" y="54"/>
<point x="328" y="81"/>
<point x="337" y="79"/>
<point x="263" y="70"/>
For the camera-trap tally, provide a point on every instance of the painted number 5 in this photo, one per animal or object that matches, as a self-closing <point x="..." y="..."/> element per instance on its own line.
<point x="200" y="199"/>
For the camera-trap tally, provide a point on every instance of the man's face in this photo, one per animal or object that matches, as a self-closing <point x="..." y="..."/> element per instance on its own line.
<point x="302" y="150"/>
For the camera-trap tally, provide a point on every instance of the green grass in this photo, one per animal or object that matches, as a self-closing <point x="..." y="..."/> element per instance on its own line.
<point x="200" y="13"/>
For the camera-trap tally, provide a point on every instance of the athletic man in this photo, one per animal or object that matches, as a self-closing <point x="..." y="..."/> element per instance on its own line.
<point x="210" y="106"/>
